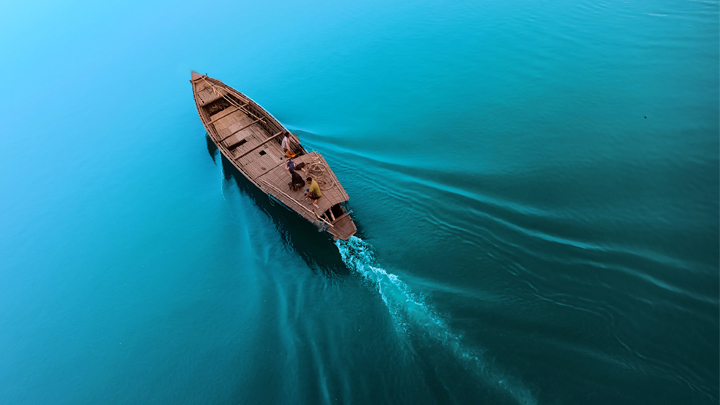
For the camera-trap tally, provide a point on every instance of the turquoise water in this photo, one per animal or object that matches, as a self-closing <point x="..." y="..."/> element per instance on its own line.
<point x="526" y="235"/>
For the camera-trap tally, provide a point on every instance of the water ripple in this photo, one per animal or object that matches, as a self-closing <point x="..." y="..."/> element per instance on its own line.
<point x="409" y="311"/>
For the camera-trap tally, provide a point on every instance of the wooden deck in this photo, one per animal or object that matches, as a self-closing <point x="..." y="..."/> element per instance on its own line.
<point x="332" y="191"/>
<point x="250" y="138"/>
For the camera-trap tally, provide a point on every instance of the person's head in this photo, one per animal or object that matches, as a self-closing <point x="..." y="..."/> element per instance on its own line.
<point x="309" y="179"/>
<point x="286" y="135"/>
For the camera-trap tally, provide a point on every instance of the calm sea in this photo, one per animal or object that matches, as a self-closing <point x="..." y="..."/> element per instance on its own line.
<point x="535" y="185"/>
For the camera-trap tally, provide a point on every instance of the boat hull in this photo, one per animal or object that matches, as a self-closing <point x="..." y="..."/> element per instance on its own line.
<point x="250" y="138"/>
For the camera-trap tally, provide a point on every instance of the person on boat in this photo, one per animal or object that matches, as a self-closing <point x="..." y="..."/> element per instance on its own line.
<point x="296" y="182"/>
<point x="290" y="165"/>
<point x="313" y="192"/>
<point x="286" y="146"/>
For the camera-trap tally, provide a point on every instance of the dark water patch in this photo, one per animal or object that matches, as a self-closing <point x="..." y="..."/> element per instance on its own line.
<point x="211" y="147"/>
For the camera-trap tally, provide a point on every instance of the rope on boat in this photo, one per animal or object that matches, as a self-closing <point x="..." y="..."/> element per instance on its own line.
<point x="318" y="171"/>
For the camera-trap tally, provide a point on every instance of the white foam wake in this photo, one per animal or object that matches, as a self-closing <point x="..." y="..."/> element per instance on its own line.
<point x="411" y="313"/>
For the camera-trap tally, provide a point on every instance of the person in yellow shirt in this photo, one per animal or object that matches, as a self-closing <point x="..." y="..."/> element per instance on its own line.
<point x="313" y="192"/>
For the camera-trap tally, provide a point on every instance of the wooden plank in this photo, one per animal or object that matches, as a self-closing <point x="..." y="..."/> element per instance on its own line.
<point x="224" y="123"/>
<point x="213" y="120"/>
<point x="260" y="136"/>
<point x="207" y="96"/>
<point x="261" y="144"/>
<point x="344" y="227"/>
<point x="341" y="217"/>
<point x="259" y="162"/>
<point x="222" y="131"/>
<point x="237" y="151"/>
<point x="298" y="203"/>
<point x="246" y="126"/>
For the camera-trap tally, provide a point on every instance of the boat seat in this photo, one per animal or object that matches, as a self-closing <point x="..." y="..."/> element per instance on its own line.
<point x="206" y="98"/>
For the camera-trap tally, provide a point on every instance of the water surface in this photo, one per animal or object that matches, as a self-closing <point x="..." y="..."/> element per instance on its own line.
<point x="535" y="186"/>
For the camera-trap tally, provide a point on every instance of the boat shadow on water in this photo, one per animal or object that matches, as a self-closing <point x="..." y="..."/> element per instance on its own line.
<point x="315" y="248"/>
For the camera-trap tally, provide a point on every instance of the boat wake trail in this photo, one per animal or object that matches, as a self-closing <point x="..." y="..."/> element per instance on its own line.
<point x="410" y="313"/>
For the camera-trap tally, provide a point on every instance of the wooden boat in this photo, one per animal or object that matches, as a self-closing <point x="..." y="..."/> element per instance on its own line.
<point x="250" y="138"/>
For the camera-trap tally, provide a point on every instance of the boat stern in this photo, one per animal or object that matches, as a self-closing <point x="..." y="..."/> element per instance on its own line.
<point x="343" y="228"/>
